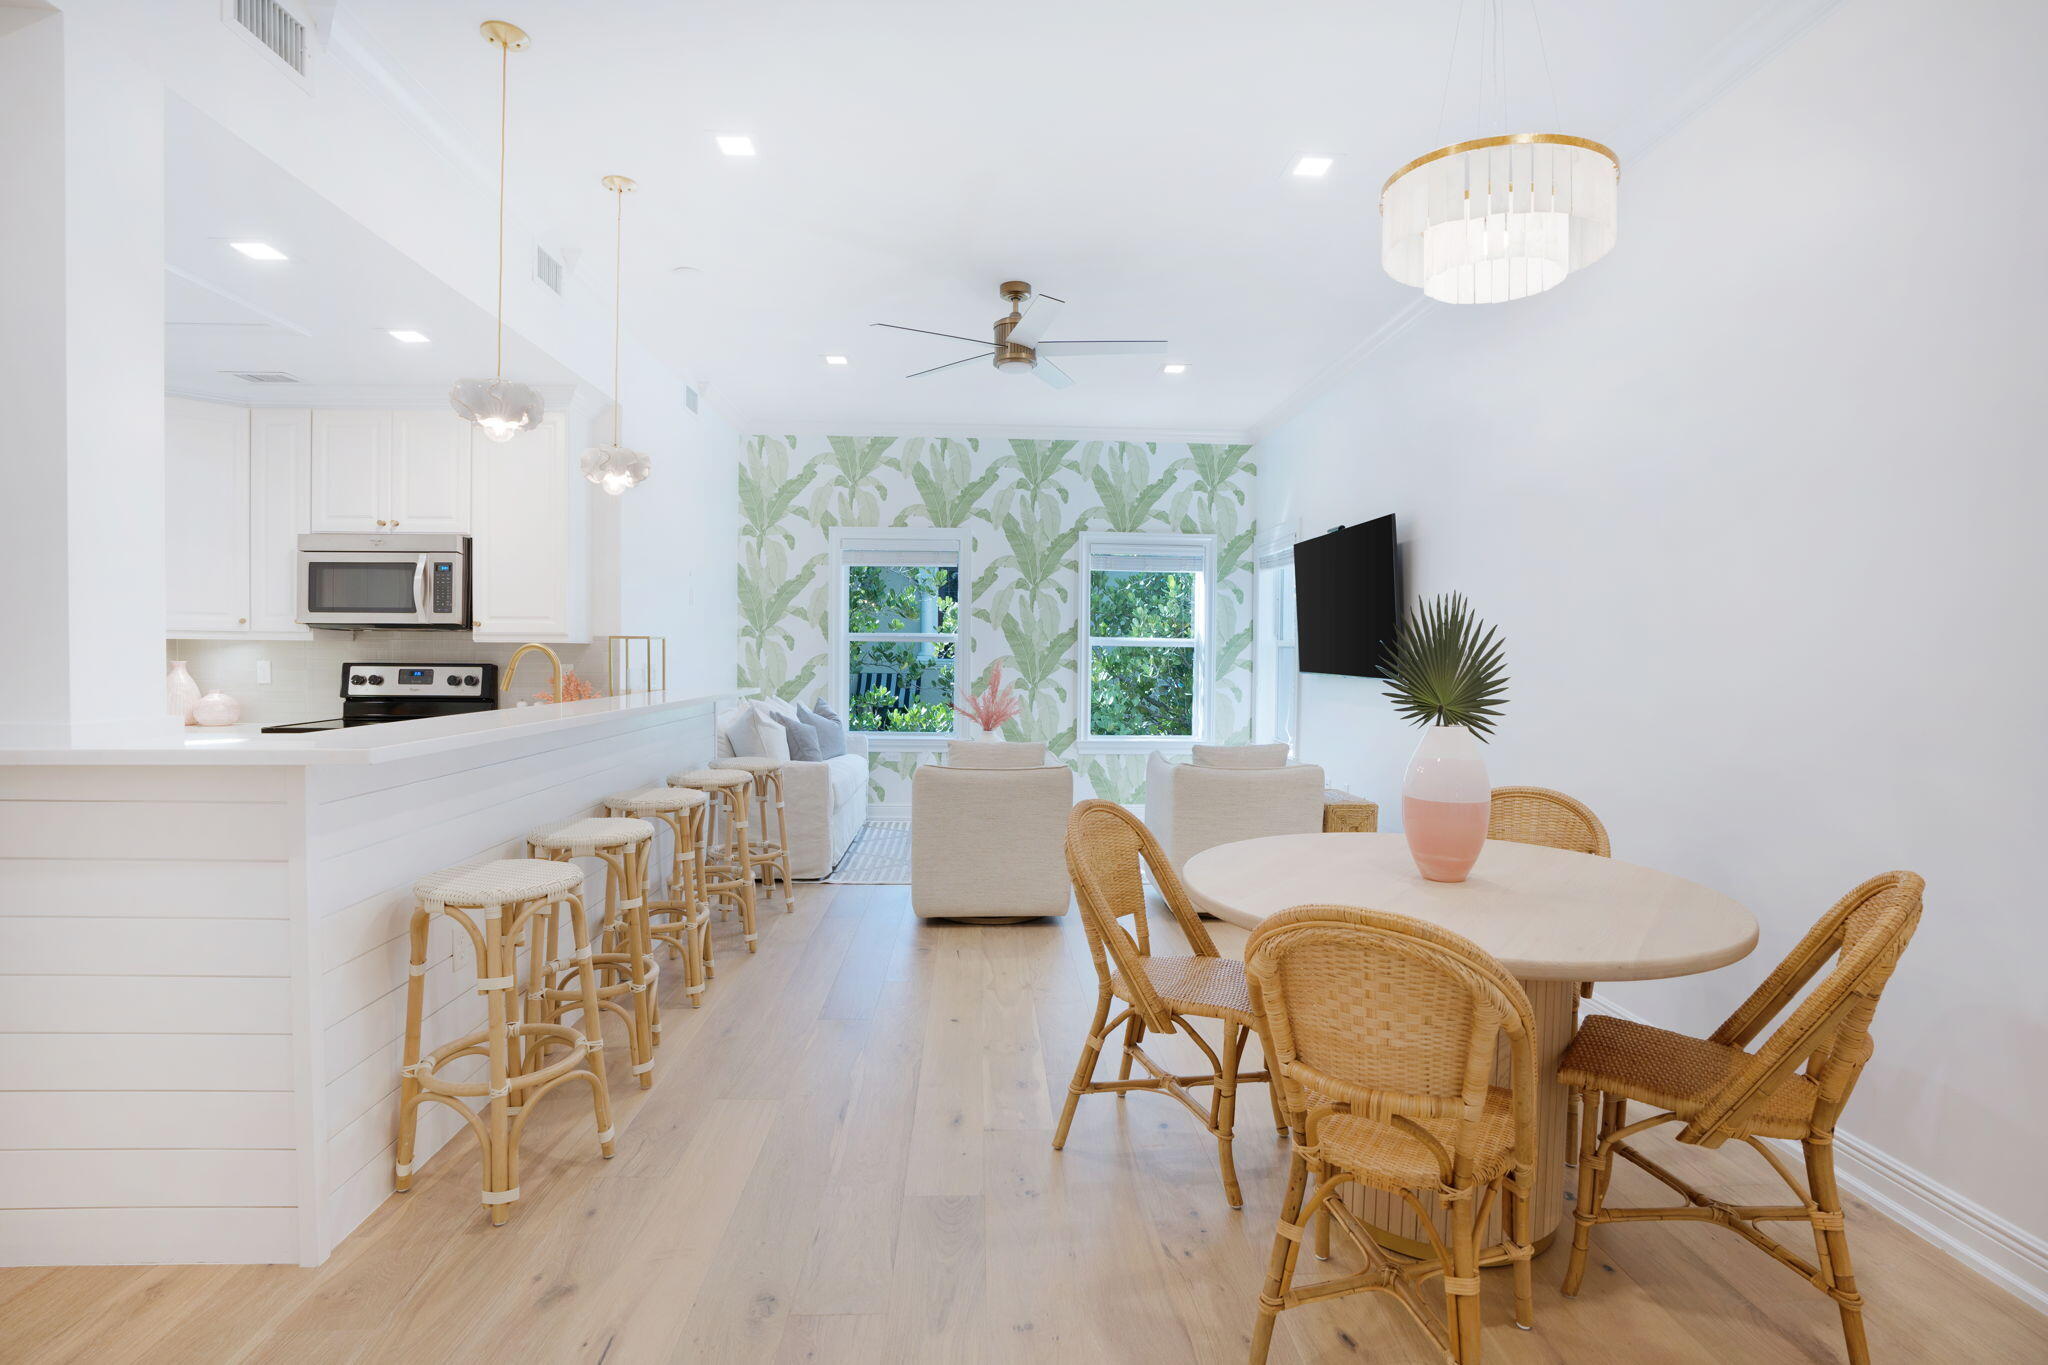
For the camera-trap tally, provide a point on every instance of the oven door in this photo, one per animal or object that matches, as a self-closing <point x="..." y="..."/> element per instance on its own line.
<point x="369" y="590"/>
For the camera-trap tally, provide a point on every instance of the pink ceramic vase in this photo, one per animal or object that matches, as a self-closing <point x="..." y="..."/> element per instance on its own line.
<point x="1445" y="803"/>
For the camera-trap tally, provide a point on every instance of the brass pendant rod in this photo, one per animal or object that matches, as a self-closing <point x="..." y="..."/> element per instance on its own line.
<point x="618" y="295"/>
<point x="504" y="80"/>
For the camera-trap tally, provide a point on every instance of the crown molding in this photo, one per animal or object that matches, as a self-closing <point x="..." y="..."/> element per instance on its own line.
<point x="404" y="397"/>
<point x="1769" y="31"/>
<point x="998" y="432"/>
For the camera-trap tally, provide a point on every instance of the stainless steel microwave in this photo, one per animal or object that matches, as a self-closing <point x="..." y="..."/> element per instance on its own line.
<point x="380" y="582"/>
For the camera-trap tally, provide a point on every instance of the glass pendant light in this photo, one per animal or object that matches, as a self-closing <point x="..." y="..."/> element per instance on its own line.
<point x="614" y="468"/>
<point x="500" y="407"/>
<point x="1501" y="217"/>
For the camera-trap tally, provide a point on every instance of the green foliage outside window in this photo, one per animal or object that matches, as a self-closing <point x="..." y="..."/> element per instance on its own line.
<point x="1141" y="690"/>
<point x="904" y="686"/>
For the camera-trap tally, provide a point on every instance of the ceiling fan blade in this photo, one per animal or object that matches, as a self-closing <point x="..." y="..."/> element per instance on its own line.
<point x="1051" y="375"/>
<point x="1037" y="319"/>
<point x="947" y="366"/>
<point x="1101" y="348"/>
<point x="971" y="341"/>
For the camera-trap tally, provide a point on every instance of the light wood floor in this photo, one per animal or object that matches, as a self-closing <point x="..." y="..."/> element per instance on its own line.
<point x="846" y="1157"/>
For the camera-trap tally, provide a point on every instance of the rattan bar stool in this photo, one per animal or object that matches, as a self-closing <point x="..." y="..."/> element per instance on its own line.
<point x="1792" y="1087"/>
<point x="625" y="958"/>
<point x="728" y="876"/>
<point x="769" y="857"/>
<point x="494" y="904"/>
<point x="680" y="919"/>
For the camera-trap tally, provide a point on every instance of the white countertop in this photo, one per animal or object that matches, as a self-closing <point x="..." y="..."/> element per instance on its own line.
<point x="386" y="743"/>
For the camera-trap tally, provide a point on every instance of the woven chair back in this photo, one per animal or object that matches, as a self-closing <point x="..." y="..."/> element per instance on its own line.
<point x="1864" y="935"/>
<point x="1538" y="815"/>
<point x="1387" y="1014"/>
<point x="1107" y="847"/>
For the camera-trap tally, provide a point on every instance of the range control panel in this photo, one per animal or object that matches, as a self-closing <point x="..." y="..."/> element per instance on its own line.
<point x="419" y="680"/>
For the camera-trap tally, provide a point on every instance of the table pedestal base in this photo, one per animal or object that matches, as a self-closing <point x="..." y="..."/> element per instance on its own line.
<point x="1394" y="1221"/>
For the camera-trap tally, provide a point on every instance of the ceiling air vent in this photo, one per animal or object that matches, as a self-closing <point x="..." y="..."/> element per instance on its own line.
<point x="547" y="269"/>
<point x="277" y="28"/>
<point x="263" y="376"/>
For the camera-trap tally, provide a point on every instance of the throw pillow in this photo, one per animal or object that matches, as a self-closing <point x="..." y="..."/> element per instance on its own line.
<point x="1240" y="755"/>
<point x="977" y="753"/>
<point x="831" y="734"/>
<point x="770" y="739"/>
<point x="803" y="740"/>
<point x="737" y="728"/>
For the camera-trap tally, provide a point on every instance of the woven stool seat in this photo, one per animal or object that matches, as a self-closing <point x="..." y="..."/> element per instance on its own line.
<point x="657" y="799"/>
<point x="749" y="765"/>
<point x="501" y="882"/>
<point x="711" y="777"/>
<point x="583" y="838"/>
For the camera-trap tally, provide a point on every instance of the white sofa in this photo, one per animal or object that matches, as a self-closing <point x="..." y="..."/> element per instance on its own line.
<point x="990" y="842"/>
<point x="1194" y="806"/>
<point x="825" y="803"/>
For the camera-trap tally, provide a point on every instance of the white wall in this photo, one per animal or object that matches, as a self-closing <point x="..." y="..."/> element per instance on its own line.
<point x="1756" y="503"/>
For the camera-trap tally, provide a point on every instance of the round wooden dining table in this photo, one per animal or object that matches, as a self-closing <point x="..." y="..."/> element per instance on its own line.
<point x="1554" y="919"/>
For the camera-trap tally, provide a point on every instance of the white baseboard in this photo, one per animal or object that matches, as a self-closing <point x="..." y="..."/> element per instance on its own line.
<point x="2007" y="1255"/>
<point x="880" y="812"/>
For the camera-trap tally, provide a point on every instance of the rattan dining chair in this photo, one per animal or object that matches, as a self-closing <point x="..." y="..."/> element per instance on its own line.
<point x="1538" y="815"/>
<point x="1794" y="1086"/>
<point x="1384" y="1033"/>
<point x="1105" y="847"/>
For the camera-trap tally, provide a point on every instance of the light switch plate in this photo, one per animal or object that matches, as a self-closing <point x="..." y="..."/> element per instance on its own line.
<point x="263" y="672"/>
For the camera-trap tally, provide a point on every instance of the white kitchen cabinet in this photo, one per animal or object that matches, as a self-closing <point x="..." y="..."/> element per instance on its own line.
<point x="430" y="471"/>
<point x="375" y="470"/>
<point x="528" y="560"/>
<point x="206" y="515"/>
<point x="351" y="468"/>
<point x="280" y="440"/>
<point x="234" y="505"/>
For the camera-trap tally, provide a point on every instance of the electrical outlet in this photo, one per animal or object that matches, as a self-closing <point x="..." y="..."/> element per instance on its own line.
<point x="263" y="672"/>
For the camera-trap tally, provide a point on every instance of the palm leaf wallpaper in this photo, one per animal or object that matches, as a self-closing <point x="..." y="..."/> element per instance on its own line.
<point x="1026" y="504"/>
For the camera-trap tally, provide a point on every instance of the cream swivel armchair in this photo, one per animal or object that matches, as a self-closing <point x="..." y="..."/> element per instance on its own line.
<point x="987" y="833"/>
<point x="1233" y="792"/>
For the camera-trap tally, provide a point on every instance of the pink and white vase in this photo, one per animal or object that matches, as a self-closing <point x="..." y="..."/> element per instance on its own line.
<point x="181" y="693"/>
<point x="1445" y="802"/>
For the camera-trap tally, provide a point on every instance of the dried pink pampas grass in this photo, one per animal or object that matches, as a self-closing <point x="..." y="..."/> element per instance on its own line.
<point x="990" y="708"/>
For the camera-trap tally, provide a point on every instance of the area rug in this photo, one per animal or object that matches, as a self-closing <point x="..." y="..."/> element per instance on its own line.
<point x="880" y="855"/>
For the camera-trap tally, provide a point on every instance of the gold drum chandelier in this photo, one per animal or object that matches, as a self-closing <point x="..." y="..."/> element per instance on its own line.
<point x="1502" y="217"/>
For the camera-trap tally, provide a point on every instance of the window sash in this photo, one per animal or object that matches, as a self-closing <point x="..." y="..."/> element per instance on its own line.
<point x="1156" y="552"/>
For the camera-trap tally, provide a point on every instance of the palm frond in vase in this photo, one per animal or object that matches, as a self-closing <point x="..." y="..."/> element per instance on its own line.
<point x="1445" y="666"/>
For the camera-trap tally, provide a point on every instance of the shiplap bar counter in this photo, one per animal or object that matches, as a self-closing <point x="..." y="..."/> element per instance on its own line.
<point x="203" y="961"/>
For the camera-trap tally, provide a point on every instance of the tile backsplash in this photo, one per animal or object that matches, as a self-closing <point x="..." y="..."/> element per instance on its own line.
<point x="305" y="675"/>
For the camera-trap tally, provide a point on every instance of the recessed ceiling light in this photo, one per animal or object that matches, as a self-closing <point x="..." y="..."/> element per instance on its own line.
<point x="1313" y="167"/>
<point x="736" y="146"/>
<point x="408" y="336"/>
<point x="835" y="360"/>
<point x="1174" y="367"/>
<point x="259" y="251"/>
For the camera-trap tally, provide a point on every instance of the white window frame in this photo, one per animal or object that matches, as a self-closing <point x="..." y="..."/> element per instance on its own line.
<point x="1273" y="619"/>
<point x="1204" y="645"/>
<point x="958" y="540"/>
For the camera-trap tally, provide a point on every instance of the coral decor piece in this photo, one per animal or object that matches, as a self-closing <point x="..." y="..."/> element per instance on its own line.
<point x="573" y="689"/>
<point x="216" y="708"/>
<point x="990" y="708"/>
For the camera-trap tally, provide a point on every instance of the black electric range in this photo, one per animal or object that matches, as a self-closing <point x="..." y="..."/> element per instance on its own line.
<point x="377" y="694"/>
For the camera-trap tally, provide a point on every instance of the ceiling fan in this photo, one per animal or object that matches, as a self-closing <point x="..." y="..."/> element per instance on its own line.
<point x="1019" y="345"/>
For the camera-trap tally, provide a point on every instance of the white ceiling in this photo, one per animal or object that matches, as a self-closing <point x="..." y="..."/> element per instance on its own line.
<point x="1128" y="156"/>
<point x="324" y="314"/>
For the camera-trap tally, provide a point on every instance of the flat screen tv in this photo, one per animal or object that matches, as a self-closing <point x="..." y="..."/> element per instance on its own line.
<point x="1347" y="595"/>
